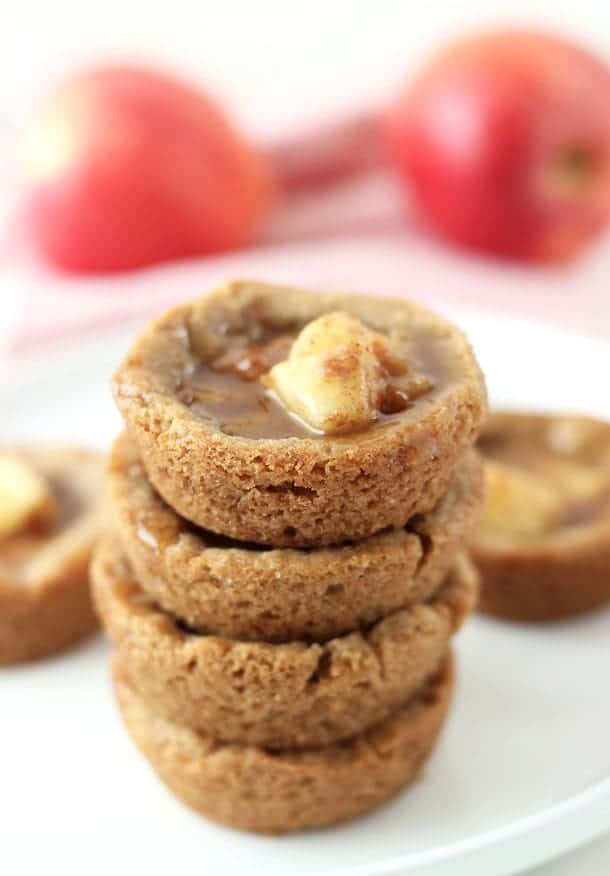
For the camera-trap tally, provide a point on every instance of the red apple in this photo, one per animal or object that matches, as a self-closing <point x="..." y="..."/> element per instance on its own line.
<point x="504" y="143"/>
<point x="127" y="167"/>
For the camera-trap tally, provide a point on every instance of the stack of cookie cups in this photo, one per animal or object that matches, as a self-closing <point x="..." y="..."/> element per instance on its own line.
<point x="282" y="607"/>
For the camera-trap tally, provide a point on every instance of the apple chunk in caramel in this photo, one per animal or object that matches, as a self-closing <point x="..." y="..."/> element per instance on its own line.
<point x="340" y="375"/>
<point x="518" y="504"/>
<point x="26" y="501"/>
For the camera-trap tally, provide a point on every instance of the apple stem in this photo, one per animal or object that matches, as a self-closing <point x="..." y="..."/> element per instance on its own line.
<point x="571" y="168"/>
<point x="329" y="153"/>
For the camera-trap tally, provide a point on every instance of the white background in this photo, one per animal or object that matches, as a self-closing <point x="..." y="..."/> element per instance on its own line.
<point x="277" y="61"/>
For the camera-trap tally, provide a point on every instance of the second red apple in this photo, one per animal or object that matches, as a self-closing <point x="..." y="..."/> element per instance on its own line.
<point x="504" y="144"/>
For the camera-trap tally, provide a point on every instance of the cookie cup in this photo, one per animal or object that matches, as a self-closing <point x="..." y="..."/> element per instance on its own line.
<point x="292" y="695"/>
<point x="253" y="789"/>
<point x="216" y="585"/>
<point x="306" y="491"/>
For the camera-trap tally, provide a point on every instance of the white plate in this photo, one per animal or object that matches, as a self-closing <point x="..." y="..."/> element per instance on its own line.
<point x="523" y="769"/>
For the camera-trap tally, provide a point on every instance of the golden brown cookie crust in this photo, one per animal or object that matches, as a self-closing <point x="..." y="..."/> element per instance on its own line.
<point x="251" y="789"/>
<point x="279" y="696"/>
<point x="49" y="608"/>
<point x="293" y="492"/>
<point x="558" y="575"/>
<point x="279" y="595"/>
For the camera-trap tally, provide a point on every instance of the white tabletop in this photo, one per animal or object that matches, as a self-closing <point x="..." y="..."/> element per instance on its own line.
<point x="592" y="860"/>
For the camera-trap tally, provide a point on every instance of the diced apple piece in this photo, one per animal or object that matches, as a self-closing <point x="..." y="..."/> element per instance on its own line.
<point x="518" y="503"/>
<point x="333" y="377"/>
<point x="25" y="498"/>
<point x="330" y="331"/>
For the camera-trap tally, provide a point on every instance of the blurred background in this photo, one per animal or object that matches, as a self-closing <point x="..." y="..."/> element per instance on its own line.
<point x="283" y="71"/>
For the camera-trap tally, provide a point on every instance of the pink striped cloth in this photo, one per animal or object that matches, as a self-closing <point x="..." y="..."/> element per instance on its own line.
<point x="355" y="236"/>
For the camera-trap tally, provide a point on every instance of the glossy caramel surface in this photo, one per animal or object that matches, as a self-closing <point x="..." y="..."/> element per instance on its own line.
<point x="228" y="390"/>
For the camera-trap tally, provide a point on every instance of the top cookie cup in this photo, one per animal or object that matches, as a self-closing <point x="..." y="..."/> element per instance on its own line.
<point x="227" y="455"/>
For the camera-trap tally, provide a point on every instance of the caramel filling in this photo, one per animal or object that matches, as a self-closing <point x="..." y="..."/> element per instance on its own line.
<point x="230" y="392"/>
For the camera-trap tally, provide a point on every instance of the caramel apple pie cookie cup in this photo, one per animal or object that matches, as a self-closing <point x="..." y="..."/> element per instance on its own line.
<point x="249" y="592"/>
<point x="282" y="417"/>
<point x="275" y="792"/>
<point x="51" y="515"/>
<point x="543" y="547"/>
<point x="278" y="696"/>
